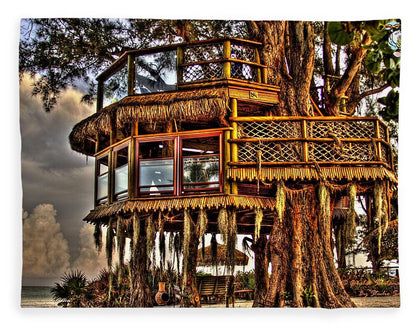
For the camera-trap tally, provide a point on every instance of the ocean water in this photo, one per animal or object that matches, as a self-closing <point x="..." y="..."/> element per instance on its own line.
<point x="39" y="297"/>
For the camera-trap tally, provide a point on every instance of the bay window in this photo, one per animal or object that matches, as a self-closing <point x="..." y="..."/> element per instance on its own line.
<point x="168" y="164"/>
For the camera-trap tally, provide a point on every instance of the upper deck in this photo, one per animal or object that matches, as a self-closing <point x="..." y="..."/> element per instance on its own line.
<point x="182" y="66"/>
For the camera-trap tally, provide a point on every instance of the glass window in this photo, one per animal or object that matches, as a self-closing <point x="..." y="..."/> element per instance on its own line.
<point x="115" y="87"/>
<point x="155" y="72"/>
<point x="102" y="180"/>
<point x="156" y="167"/>
<point x="121" y="173"/>
<point x="201" y="164"/>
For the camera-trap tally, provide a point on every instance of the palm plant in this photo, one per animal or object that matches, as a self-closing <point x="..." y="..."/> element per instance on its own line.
<point x="72" y="291"/>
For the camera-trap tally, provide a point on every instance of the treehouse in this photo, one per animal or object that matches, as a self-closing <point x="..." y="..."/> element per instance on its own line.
<point x="191" y="131"/>
<point x="191" y="126"/>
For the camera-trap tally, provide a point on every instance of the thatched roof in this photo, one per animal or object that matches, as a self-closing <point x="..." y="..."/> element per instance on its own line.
<point x="240" y="258"/>
<point x="310" y="173"/>
<point x="190" y="105"/>
<point x="177" y="203"/>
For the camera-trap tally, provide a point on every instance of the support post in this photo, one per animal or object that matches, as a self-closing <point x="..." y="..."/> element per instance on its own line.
<point x="130" y="74"/>
<point x="227" y="56"/>
<point x="305" y="143"/>
<point x="179" y="61"/>
<point x="234" y="135"/>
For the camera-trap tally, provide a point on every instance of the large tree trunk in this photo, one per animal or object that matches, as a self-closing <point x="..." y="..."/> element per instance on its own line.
<point x="191" y="241"/>
<point x="140" y="293"/>
<point x="300" y="244"/>
<point x="261" y="266"/>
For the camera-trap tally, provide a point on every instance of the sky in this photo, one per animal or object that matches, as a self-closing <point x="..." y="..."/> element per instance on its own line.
<point x="57" y="185"/>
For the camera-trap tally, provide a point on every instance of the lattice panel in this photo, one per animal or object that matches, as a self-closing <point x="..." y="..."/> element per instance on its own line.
<point x="244" y="72"/>
<point x="202" y="72"/>
<point x="383" y="134"/>
<point x="270" y="152"/>
<point x="269" y="129"/>
<point x="203" y="53"/>
<point x="330" y="151"/>
<point x="243" y="52"/>
<point x="385" y="153"/>
<point x="341" y="129"/>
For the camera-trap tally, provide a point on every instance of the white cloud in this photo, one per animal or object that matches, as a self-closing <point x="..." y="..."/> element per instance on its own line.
<point x="45" y="250"/>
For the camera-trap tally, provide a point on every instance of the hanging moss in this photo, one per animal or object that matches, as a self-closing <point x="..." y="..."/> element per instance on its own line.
<point x="150" y="237"/>
<point x="280" y="199"/>
<point x="324" y="202"/>
<point x="109" y="243"/>
<point x="232" y="240"/>
<point x="109" y="253"/>
<point x="162" y="249"/>
<point x="202" y="224"/>
<point x="214" y="251"/>
<point x="121" y="247"/>
<point x="136" y="233"/>
<point x="257" y="225"/>
<point x="98" y="237"/>
<point x="223" y="225"/>
<point x="381" y="209"/>
<point x="350" y="224"/>
<point x="186" y="239"/>
<point x="178" y="250"/>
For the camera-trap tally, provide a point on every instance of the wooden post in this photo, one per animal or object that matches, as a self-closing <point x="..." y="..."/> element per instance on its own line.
<point x="258" y="69"/>
<point x="130" y="74"/>
<point x="135" y="128"/>
<point x="179" y="61"/>
<point x="131" y="169"/>
<point x="110" y="192"/>
<point x="378" y="144"/>
<point x="100" y="95"/>
<point x="227" y="56"/>
<point x="227" y="151"/>
<point x="97" y="143"/>
<point x="305" y="143"/>
<point x="234" y="135"/>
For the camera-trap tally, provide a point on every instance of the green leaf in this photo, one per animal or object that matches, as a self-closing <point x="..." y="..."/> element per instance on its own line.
<point x="338" y="34"/>
<point x="373" y="61"/>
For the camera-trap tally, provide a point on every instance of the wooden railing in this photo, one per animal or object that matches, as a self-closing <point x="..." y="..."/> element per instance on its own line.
<point x="168" y="68"/>
<point x="277" y="141"/>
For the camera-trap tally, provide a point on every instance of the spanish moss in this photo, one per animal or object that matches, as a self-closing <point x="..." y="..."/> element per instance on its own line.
<point x="98" y="237"/>
<point x="150" y="238"/>
<point x="186" y="238"/>
<point x="121" y="246"/>
<point x="257" y="224"/>
<point x="280" y="199"/>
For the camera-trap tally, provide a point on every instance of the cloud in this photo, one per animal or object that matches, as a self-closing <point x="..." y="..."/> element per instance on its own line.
<point x="52" y="173"/>
<point x="90" y="260"/>
<point x="45" y="250"/>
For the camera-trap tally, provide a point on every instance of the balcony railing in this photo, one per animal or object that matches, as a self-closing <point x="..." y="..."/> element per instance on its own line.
<point x="168" y="68"/>
<point x="277" y="141"/>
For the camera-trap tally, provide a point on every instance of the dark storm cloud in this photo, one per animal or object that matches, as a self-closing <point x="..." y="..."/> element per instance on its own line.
<point x="51" y="172"/>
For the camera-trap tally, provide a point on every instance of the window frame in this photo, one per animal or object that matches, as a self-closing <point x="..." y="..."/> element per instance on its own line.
<point x="137" y="185"/>
<point x="113" y="170"/>
<point x="105" y="199"/>
<point x="181" y="183"/>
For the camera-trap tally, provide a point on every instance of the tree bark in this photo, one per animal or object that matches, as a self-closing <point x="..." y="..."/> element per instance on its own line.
<point x="303" y="268"/>
<point x="190" y="289"/>
<point x="261" y="266"/>
<point x="140" y="294"/>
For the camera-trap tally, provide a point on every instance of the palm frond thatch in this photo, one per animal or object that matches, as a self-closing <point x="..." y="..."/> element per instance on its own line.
<point x="190" y="105"/>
